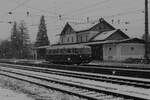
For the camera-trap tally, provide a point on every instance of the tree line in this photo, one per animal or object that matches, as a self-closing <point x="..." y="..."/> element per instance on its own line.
<point x="19" y="45"/>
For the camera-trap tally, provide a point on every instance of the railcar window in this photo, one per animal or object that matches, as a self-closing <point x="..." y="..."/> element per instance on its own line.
<point x="75" y="50"/>
<point x="79" y="50"/>
<point x="63" y="51"/>
<point x="57" y="51"/>
<point x="85" y="50"/>
<point x="53" y="51"/>
<point x="49" y="52"/>
<point x="68" y="50"/>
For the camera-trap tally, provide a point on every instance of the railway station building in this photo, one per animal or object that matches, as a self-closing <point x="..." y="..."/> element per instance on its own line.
<point x="107" y="43"/>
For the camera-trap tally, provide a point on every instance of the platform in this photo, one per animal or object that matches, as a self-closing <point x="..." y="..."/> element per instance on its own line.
<point x="104" y="63"/>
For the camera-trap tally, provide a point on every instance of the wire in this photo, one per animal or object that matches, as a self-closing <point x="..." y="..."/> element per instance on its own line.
<point x="70" y="18"/>
<point x="65" y="17"/>
<point x="37" y="9"/>
<point x="114" y="15"/>
<point x="19" y="5"/>
<point x="10" y="12"/>
<point x="125" y="13"/>
<point x="87" y="7"/>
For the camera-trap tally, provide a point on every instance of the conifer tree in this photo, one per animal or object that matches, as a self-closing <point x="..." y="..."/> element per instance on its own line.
<point x="20" y="41"/>
<point x="14" y="40"/>
<point x="5" y="49"/>
<point x="24" y="40"/>
<point x="42" y="38"/>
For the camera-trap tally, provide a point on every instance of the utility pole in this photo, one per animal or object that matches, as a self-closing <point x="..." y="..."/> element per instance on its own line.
<point x="146" y="30"/>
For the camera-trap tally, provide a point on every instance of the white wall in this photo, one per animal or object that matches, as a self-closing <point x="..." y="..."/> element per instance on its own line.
<point x="131" y="50"/>
<point x="120" y="52"/>
<point x="64" y="38"/>
<point x="110" y="52"/>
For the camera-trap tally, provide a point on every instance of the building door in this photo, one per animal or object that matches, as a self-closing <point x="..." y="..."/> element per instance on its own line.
<point x="41" y="53"/>
<point x="97" y="52"/>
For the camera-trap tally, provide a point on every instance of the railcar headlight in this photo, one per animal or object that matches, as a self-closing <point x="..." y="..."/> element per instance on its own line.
<point x="68" y="59"/>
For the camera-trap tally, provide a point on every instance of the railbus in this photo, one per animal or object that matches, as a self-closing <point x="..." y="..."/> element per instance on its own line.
<point x="69" y="54"/>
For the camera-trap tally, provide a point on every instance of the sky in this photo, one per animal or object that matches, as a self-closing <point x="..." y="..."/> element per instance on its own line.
<point x="127" y="15"/>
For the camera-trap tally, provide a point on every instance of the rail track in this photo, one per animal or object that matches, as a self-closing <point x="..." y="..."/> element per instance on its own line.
<point x="114" y="94"/>
<point x="136" y="82"/>
<point x="138" y="72"/>
<point x="125" y="70"/>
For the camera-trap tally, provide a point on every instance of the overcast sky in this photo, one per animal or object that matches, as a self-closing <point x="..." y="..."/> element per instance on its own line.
<point x="127" y="14"/>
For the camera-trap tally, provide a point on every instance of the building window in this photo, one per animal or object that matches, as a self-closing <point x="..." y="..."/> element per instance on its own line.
<point x="132" y="48"/>
<point x="110" y="49"/>
<point x="81" y="38"/>
<point x="62" y="40"/>
<point x="72" y="39"/>
<point x="68" y="39"/>
<point x="86" y="38"/>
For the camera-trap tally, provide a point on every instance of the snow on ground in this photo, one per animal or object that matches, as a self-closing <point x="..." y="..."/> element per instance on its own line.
<point x="6" y="94"/>
<point x="14" y="89"/>
<point x="118" y="88"/>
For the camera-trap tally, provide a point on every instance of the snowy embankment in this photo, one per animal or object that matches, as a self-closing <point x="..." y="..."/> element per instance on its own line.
<point x="13" y="89"/>
<point x="6" y="94"/>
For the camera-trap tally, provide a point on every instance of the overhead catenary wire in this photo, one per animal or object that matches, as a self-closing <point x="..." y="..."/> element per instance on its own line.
<point x="16" y="7"/>
<point x="118" y="14"/>
<point x="19" y="5"/>
<point x="64" y="18"/>
<point x="87" y="7"/>
<point x="42" y="10"/>
<point x="38" y="9"/>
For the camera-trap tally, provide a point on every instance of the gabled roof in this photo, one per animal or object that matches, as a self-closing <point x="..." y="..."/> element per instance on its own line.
<point x="67" y="25"/>
<point x="42" y="47"/>
<point x="130" y="40"/>
<point x="78" y="27"/>
<point x="81" y="27"/>
<point x="103" y="35"/>
<point x="106" y="34"/>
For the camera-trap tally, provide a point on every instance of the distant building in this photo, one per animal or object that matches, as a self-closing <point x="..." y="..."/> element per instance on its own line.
<point x="90" y="33"/>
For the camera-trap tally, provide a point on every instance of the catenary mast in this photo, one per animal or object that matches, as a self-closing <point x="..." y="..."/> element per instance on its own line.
<point x="146" y="30"/>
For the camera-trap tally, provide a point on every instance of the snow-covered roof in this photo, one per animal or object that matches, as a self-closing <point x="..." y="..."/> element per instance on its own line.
<point x="130" y="40"/>
<point x="103" y="35"/>
<point x="42" y="47"/>
<point x="68" y="46"/>
<point x="82" y="26"/>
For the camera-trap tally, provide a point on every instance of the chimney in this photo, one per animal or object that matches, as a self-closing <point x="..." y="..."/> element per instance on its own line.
<point x="101" y="19"/>
<point x="88" y="20"/>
